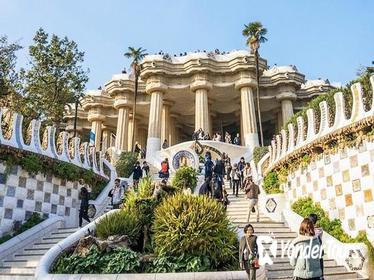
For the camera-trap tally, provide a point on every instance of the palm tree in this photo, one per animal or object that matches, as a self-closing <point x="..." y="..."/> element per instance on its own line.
<point x="136" y="55"/>
<point x="255" y="34"/>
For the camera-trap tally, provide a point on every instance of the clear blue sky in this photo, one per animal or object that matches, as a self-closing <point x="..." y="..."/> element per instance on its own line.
<point x="324" y="39"/>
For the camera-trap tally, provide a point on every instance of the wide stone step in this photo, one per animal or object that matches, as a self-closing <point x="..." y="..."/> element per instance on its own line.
<point x="55" y="239"/>
<point x="42" y="246"/>
<point x="36" y="250"/>
<point x="67" y="230"/>
<point x="271" y="223"/>
<point x="28" y="257"/>
<point x="16" y="277"/>
<point x="17" y="270"/>
<point x="60" y="234"/>
<point x="20" y="263"/>
<point x="260" y="228"/>
<point x="281" y="261"/>
<point x="327" y="276"/>
<point x="287" y="268"/>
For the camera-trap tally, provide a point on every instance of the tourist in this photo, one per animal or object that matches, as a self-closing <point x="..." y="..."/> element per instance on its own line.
<point x="137" y="148"/>
<point x="208" y="168"/>
<point x="307" y="265"/>
<point x="165" y="145"/>
<point x="318" y="233"/>
<point x="237" y="139"/>
<point x="201" y="134"/>
<point x="248" y="252"/>
<point x="241" y="166"/>
<point x="195" y="135"/>
<point x="252" y="191"/>
<point x="228" y="169"/>
<point x="235" y="175"/>
<point x="218" y="137"/>
<point x="145" y="169"/>
<point x="117" y="194"/>
<point x="227" y="138"/>
<point x="205" y="188"/>
<point x="207" y="136"/>
<point x="136" y="175"/>
<point x="83" y="210"/>
<point x="247" y="172"/>
<point x="219" y="168"/>
<point x="164" y="172"/>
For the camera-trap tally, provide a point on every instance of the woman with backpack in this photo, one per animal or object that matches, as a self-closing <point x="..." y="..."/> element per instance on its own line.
<point x="306" y="262"/>
<point x="164" y="172"/>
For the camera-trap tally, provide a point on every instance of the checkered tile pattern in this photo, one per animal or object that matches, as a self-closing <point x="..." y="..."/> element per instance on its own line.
<point x="342" y="184"/>
<point x="21" y="195"/>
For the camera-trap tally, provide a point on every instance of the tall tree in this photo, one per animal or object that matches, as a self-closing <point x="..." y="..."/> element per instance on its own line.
<point x="9" y="78"/>
<point x="56" y="76"/>
<point x="255" y="34"/>
<point x="136" y="55"/>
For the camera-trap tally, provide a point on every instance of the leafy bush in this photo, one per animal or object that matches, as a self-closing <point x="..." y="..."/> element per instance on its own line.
<point x="185" y="177"/>
<point x="35" y="219"/>
<point x="125" y="164"/>
<point x="123" y="223"/>
<point x="194" y="226"/>
<point x="271" y="183"/>
<point x="120" y="260"/>
<point x="259" y="153"/>
<point x="305" y="206"/>
<point x="66" y="171"/>
<point x="146" y="187"/>
<point x="32" y="164"/>
<point x="182" y="263"/>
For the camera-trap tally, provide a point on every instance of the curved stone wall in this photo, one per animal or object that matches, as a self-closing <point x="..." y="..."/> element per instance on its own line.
<point x="292" y="143"/>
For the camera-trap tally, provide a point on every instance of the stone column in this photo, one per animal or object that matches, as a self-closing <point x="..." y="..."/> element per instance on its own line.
<point x="132" y="127"/>
<point x="172" y="129"/>
<point x="165" y="122"/>
<point x="286" y="98"/>
<point x="96" y="119"/>
<point x="106" y="139"/>
<point x="248" y="112"/>
<point x="201" y="86"/>
<point x="122" y="128"/>
<point x="156" y="89"/>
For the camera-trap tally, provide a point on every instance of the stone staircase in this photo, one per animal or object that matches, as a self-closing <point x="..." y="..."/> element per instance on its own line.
<point x="281" y="269"/>
<point x="23" y="263"/>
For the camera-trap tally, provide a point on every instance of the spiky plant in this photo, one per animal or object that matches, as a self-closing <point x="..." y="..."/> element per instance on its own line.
<point x="196" y="226"/>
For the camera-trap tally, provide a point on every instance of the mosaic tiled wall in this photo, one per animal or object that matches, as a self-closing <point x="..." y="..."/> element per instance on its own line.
<point x="343" y="184"/>
<point x="21" y="195"/>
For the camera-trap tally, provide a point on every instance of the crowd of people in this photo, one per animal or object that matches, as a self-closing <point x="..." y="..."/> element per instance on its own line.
<point x="217" y="136"/>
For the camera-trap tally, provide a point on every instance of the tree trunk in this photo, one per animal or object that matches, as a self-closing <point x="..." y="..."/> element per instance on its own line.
<point x="134" y="112"/>
<point x="75" y="117"/>
<point x="258" y="98"/>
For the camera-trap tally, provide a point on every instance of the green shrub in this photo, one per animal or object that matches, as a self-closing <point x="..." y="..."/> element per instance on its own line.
<point x="182" y="263"/>
<point x="5" y="238"/>
<point x="271" y="183"/>
<point x="185" y="177"/>
<point x="66" y="171"/>
<point x="125" y="164"/>
<point x="123" y="223"/>
<point x="305" y="206"/>
<point x="259" y="153"/>
<point x="146" y="187"/>
<point x="32" y="164"/>
<point x="120" y="260"/>
<point x="194" y="226"/>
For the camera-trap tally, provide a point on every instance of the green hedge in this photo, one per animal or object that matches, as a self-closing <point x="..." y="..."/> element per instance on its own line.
<point x="185" y="177"/>
<point x="271" y="183"/>
<point x="305" y="206"/>
<point x="259" y="153"/>
<point x="35" y="219"/>
<point x="35" y="164"/>
<point x="125" y="164"/>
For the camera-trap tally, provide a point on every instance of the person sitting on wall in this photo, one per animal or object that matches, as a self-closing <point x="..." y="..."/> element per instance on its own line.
<point x="165" y="145"/>
<point x="145" y="169"/>
<point x="237" y="139"/>
<point x="137" y="148"/>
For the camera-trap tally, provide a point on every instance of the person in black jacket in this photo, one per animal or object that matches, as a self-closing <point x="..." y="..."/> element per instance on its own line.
<point x="83" y="211"/>
<point x="137" y="174"/>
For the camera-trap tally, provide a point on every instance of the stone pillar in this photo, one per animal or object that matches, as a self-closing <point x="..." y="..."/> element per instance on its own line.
<point x="172" y="129"/>
<point x="286" y="97"/>
<point x="106" y="139"/>
<point x="201" y="86"/>
<point x="132" y="127"/>
<point x="165" y="122"/>
<point x="248" y="112"/>
<point x="96" y="119"/>
<point x="122" y="128"/>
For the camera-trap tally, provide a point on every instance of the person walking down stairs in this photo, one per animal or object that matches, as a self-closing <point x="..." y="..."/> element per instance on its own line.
<point x="252" y="191"/>
<point x="248" y="252"/>
<point x="83" y="210"/>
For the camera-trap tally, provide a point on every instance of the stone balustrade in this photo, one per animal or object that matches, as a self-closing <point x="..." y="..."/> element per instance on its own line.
<point x="16" y="140"/>
<point x="292" y="142"/>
